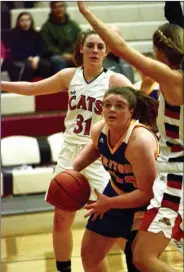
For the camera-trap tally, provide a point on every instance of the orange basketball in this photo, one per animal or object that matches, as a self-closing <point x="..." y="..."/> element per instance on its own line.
<point x="68" y="190"/>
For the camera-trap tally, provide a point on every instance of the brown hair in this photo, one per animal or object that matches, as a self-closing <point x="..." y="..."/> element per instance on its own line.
<point x="170" y="39"/>
<point x="32" y="26"/>
<point x="78" y="57"/>
<point x="145" y="107"/>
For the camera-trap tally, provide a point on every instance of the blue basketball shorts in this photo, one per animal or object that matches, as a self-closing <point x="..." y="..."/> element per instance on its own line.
<point x="115" y="223"/>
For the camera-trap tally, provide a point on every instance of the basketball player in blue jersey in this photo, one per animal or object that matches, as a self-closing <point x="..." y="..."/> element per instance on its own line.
<point x="86" y="86"/>
<point x="164" y="217"/>
<point x="128" y="150"/>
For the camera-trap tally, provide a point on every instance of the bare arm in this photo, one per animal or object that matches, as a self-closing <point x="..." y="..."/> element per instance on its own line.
<point x="54" y="84"/>
<point x="119" y="80"/>
<point x="90" y="152"/>
<point x="160" y="72"/>
<point x="88" y="155"/>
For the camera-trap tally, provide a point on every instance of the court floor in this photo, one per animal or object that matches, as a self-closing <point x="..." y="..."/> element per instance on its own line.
<point x="33" y="253"/>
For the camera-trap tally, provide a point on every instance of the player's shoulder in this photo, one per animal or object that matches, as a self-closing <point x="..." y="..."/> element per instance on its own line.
<point x="68" y="71"/>
<point x="97" y="128"/>
<point x="67" y="75"/>
<point x="117" y="79"/>
<point x="143" y="132"/>
<point x="143" y="137"/>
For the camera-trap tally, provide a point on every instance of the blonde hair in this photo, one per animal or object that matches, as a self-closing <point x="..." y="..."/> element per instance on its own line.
<point x="169" y="38"/>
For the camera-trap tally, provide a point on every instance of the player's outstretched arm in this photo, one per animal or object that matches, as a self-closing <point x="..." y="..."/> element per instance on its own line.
<point x="53" y="84"/>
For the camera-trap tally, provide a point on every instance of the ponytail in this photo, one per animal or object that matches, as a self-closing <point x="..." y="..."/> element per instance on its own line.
<point x="146" y="109"/>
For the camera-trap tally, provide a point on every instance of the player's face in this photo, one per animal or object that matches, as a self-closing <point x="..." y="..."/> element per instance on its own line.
<point x="25" y="22"/>
<point x="94" y="50"/>
<point x="116" y="111"/>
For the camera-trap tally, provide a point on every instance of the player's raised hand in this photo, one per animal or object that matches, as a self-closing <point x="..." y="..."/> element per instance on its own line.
<point x="83" y="8"/>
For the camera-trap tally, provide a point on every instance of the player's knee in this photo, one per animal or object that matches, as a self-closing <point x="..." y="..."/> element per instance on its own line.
<point x="90" y="259"/>
<point x="62" y="220"/>
<point x="137" y="262"/>
<point x="86" y="256"/>
<point x="140" y="258"/>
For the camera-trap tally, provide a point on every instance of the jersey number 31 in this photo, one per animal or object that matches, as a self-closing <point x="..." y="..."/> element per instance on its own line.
<point x="82" y="125"/>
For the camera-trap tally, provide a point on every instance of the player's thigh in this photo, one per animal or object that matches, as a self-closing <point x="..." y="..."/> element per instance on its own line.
<point x="149" y="244"/>
<point x="66" y="156"/>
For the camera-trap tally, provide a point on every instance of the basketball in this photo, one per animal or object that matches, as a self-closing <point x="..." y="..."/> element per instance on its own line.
<point x="68" y="190"/>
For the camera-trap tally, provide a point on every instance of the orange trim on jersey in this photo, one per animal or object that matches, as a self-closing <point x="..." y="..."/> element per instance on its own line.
<point x="117" y="145"/>
<point x="152" y="88"/>
<point x="113" y="150"/>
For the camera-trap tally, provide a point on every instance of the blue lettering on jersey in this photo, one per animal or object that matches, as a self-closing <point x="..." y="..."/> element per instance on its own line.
<point x="120" y="172"/>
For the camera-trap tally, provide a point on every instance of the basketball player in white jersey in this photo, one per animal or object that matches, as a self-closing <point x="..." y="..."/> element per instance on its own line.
<point x="164" y="218"/>
<point x="86" y="86"/>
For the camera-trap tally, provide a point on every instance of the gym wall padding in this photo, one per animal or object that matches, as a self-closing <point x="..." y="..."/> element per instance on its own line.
<point x="33" y="125"/>
<point x="20" y="104"/>
<point x="23" y="170"/>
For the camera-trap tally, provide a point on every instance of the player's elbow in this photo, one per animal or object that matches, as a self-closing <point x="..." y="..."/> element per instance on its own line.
<point x="31" y="89"/>
<point x="145" y="199"/>
<point x="76" y="165"/>
<point x="148" y="193"/>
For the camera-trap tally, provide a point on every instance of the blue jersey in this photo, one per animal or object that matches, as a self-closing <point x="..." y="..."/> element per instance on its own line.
<point x="114" y="159"/>
<point x="117" y="223"/>
<point x="154" y="94"/>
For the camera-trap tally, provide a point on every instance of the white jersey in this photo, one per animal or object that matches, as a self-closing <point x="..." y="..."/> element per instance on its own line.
<point x="165" y="212"/>
<point x="84" y="105"/>
<point x="168" y="186"/>
<point x="170" y="125"/>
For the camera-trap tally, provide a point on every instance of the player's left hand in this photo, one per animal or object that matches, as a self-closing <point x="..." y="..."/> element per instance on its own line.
<point x="98" y="208"/>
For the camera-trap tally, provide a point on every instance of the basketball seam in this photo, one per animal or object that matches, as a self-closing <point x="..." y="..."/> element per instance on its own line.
<point x="67" y="192"/>
<point x="74" y="178"/>
<point x="55" y="204"/>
